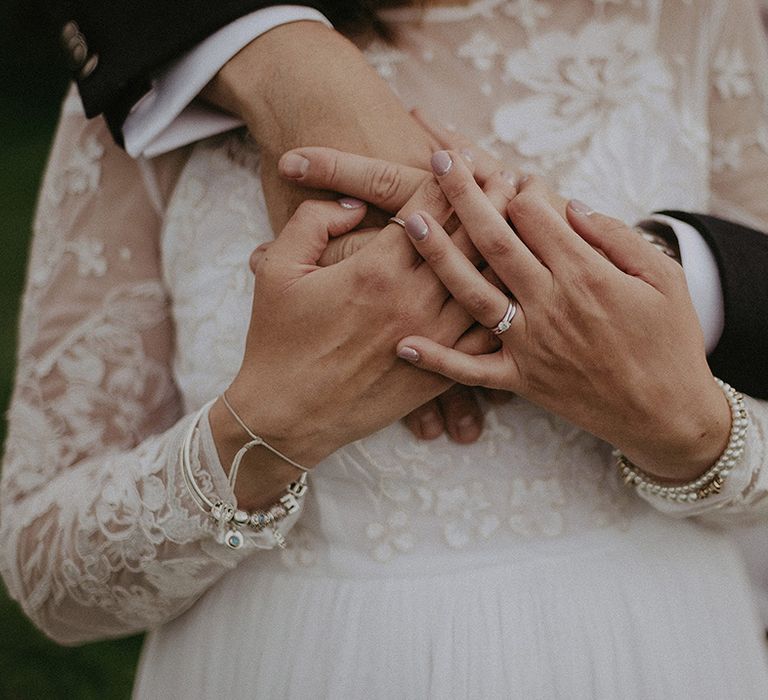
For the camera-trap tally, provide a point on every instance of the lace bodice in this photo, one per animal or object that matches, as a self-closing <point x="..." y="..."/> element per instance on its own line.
<point x="138" y="297"/>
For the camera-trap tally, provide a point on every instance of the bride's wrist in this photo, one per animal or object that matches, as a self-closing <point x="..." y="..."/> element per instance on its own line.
<point x="688" y="441"/>
<point x="263" y="475"/>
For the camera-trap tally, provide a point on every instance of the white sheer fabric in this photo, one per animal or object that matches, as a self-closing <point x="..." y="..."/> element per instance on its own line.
<point x="516" y="566"/>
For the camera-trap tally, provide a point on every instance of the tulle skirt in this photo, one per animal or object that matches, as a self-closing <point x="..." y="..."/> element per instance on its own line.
<point x="665" y="612"/>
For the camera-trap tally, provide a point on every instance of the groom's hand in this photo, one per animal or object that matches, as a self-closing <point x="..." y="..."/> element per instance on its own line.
<point x="335" y="99"/>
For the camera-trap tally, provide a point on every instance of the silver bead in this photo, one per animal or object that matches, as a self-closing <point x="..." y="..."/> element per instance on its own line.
<point x="241" y="517"/>
<point x="290" y="503"/>
<point x="227" y="512"/>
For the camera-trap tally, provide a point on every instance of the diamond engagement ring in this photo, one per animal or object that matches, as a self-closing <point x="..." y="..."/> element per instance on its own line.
<point x="506" y="321"/>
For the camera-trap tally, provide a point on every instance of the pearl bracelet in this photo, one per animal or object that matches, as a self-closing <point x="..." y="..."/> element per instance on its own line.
<point x="229" y="518"/>
<point x="709" y="483"/>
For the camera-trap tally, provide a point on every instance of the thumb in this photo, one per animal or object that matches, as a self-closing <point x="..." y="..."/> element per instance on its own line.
<point x="306" y="234"/>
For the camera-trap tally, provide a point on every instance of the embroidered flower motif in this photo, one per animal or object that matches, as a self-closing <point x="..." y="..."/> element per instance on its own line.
<point x="626" y="178"/>
<point x="300" y="551"/>
<point x="466" y="513"/>
<point x="82" y="173"/>
<point x="577" y="83"/>
<point x="536" y="507"/>
<point x="761" y="137"/>
<point x="390" y="537"/>
<point x="528" y="12"/>
<point x="481" y="49"/>
<point x="733" y="76"/>
<point x="89" y="253"/>
<point x="727" y="153"/>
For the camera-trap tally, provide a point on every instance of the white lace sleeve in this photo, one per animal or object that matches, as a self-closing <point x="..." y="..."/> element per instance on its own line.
<point x="738" y="109"/>
<point x="98" y="536"/>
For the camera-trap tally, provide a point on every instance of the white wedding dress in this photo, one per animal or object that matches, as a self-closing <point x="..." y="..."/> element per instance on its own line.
<point x="515" y="567"/>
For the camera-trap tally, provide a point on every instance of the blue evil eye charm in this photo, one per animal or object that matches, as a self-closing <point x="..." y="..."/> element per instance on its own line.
<point x="234" y="539"/>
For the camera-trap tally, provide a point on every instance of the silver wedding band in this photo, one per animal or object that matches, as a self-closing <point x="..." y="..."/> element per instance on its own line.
<point x="506" y="322"/>
<point x="396" y="220"/>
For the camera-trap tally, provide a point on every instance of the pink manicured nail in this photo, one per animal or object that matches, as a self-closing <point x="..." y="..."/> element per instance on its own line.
<point x="416" y="227"/>
<point x="293" y="165"/>
<point x="441" y="163"/>
<point x="406" y="353"/>
<point x="580" y="208"/>
<point x="351" y="203"/>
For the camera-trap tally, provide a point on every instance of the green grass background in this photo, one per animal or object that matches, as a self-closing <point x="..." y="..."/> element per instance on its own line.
<point x="33" y="78"/>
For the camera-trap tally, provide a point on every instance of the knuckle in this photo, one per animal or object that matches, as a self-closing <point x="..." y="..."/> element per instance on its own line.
<point x="332" y="170"/>
<point x="590" y="282"/>
<point x="435" y="255"/>
<point x="349" y="245"/>
<point x="520" y="205"/>
<point x="384" y="182"/>
<point x="613" y="227"/>
<point x="433" y="198"/>
<point x="457" y="189"/>
<point x="499" y="247"/>
<point x="478" y="301"/>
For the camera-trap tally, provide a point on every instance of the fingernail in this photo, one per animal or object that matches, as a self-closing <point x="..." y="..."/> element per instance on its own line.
<point x="510" y="177"/>
<point x="406" y="353"/>
<point x="468" y="428"/>
<point x="351" y="203"/>
<point x="468" y="155"/>
<point x="416" y="227"/>
<point x="580" y="208"/>
<point x="441" y="163"/>
<point x="431" y="426"/>
<point x="293" y="165"/>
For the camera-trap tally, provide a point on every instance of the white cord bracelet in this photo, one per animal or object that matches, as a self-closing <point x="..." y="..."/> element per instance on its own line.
<point x="229" y="518"/>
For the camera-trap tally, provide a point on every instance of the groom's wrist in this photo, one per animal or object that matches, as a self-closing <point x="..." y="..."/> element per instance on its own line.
<point x="276" y="91"/>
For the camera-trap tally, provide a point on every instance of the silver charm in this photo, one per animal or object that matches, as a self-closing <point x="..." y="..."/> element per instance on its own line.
<point x="234" y="539"/>
<point x="290" y="503"/>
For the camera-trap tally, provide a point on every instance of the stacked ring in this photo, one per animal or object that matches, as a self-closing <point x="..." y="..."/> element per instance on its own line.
<point x="506" y="320"/>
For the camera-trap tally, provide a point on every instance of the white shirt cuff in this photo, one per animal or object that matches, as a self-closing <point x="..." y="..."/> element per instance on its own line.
<point x="702" y="276"/>
<point x="168" y="116"/>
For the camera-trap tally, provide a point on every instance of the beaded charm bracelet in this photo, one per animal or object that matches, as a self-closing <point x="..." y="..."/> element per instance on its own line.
<point x="709" y="483"/>
<point x="229" y="518"/>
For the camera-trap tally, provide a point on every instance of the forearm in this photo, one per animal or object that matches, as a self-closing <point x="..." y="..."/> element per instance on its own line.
<point x="335" y="99"/>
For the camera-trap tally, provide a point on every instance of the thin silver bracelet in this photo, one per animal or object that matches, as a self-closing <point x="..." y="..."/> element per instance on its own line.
<point x="229" y="518"/>
<point x="256" y="439"/>
<point x="709" y="483"/>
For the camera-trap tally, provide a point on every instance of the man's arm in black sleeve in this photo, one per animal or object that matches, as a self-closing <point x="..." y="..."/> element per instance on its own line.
<point x="114" y="48"/>
<point x="741" y="253"/>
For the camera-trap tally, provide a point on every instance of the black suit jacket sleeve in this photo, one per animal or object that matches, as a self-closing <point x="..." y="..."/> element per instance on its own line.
<point x="132" y="39"/>
<point x="741" y="356"/>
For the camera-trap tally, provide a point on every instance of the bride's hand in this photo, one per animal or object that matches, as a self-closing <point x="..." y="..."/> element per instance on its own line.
<point x="388" y="186"/>
<point x="612" y="345"/>
<point x="319" y="368"/>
